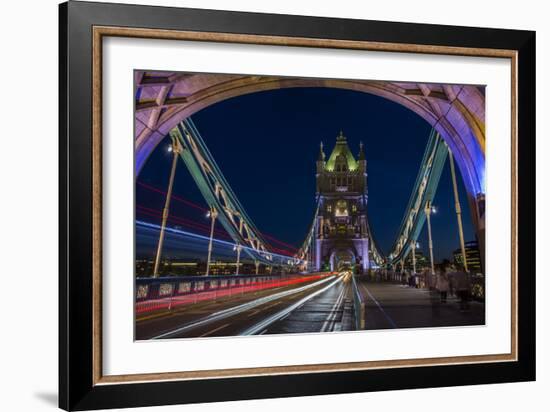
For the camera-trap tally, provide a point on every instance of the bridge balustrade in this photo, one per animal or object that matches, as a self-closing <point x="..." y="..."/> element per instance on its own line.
<point x="166" y="293"/>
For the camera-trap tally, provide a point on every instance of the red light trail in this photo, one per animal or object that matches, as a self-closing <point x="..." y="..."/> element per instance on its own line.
<point x="187" y="202"/>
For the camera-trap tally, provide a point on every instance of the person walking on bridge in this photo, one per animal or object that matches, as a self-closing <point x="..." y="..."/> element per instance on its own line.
<point x="442" y="285"/>
<point x="462" y="279"/>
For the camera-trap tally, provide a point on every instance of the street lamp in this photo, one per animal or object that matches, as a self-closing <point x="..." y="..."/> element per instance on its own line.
<point x="238" y="248"/>
<point x="174" y="148"/>
<point x="414" y="245"/>
<point x="458" y="211"/>
<point x="429" y="210"/>
<point x="212" y="214"/>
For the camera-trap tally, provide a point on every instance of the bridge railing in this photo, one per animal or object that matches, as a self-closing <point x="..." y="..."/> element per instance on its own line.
<point x="167" y="293"/>
<point x="358" y="305"/>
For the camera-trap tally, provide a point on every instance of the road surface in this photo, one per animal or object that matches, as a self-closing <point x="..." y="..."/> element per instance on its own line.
<point x="316" y="306"/>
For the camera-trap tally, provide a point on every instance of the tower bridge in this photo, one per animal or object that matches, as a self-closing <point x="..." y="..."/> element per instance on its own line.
<point x="337" y="280"/>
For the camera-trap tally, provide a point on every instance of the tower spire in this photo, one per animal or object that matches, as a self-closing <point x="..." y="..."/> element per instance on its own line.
<point x="361" y="152"/>
<point x="321" y="156"/>
<point x="341" y="137"/>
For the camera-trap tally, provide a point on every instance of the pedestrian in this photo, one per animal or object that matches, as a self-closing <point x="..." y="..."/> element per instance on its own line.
<point x="442" y="285"/>
<point x="452" y="284"/>
<point x="463" y="289"/>
<point x="435" y="297"/>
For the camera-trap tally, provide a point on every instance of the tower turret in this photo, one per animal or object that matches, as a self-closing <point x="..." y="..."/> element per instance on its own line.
<point x="361" y="158"/>
<point x="321" y="156"/>
<point x="361" y="155"/>
<point x="320" y="166"/>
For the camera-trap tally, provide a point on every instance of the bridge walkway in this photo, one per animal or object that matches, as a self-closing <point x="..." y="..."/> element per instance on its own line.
<point x="392" y="305"/>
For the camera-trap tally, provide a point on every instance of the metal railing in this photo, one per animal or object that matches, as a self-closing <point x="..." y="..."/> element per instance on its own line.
<point x="154" y="294"/>
<point x="358" y="305"/>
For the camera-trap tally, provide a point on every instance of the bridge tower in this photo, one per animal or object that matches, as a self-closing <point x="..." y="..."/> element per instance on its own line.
<point x="342" y="229"/>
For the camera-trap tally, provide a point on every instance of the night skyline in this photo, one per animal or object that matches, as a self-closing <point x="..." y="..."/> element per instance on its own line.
<point x="266" y="145"/>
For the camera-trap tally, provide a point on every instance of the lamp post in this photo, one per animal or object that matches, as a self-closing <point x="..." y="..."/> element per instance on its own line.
<point x="429" y="210"/>
<point x="414" y="245"/>
<point x="213" y="214"/>
<point x="238" y="248"/>
<point x="176" y="149"/>
<point x="458" y="211"/>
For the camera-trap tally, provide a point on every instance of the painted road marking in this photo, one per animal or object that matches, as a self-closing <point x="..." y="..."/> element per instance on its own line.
<point x="214" y="330"/>
<point x="253" y="313"/>
<point x="331" y="318"/>
<point x="277" y="316"/>
<point x="388" y="318"/>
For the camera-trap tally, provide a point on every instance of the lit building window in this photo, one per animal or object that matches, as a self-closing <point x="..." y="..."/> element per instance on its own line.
<point x="341" y="208"/>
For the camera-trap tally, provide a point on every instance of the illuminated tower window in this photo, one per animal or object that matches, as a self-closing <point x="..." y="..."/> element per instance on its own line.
<point x="341" y="208"/>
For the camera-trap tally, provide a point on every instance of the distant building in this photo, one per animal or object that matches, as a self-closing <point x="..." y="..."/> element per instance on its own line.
<point x="473" y="257"/>
<point x="144" y="268"/>
<point x="167" y="267"/>
<point x="421" y="262"/>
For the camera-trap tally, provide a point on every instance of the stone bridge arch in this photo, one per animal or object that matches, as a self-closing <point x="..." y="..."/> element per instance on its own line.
<point x="457" y="112"/>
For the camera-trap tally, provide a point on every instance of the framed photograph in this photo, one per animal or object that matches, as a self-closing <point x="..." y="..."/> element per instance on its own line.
<point x="257" y="206"/>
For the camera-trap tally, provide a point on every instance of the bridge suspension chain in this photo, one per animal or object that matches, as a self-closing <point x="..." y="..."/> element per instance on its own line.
<point x="377" y="256"/>
<point x="308" y="245"/>
<point x="420" y="206"/>
<point x="224" y="204"/>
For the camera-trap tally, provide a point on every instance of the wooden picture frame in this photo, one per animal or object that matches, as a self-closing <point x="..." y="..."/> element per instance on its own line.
<point x="83" y="26"/>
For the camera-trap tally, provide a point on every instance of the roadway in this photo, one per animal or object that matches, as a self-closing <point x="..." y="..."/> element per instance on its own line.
<point x="316" y="306"/>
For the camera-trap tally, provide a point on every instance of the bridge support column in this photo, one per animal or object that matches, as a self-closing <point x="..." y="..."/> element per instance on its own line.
<point x="428" y="211"/>
<point x="480" y="215"/>
<point x="362" y="250"/>
<point x="176" y="149"/>
<point x="413" y="251"/>
<point x="458" y="211"/>
<point x="213" y="214"/>
<point x="238" y="249"/>
<point x="318" y="247"/>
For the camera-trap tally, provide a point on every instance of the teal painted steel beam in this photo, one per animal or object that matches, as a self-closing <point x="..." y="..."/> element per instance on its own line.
<point x="217" y="193"/>
<point x="423" y="193"/>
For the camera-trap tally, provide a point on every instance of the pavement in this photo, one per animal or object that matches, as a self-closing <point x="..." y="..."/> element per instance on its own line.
<point x="390" y="305"/>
